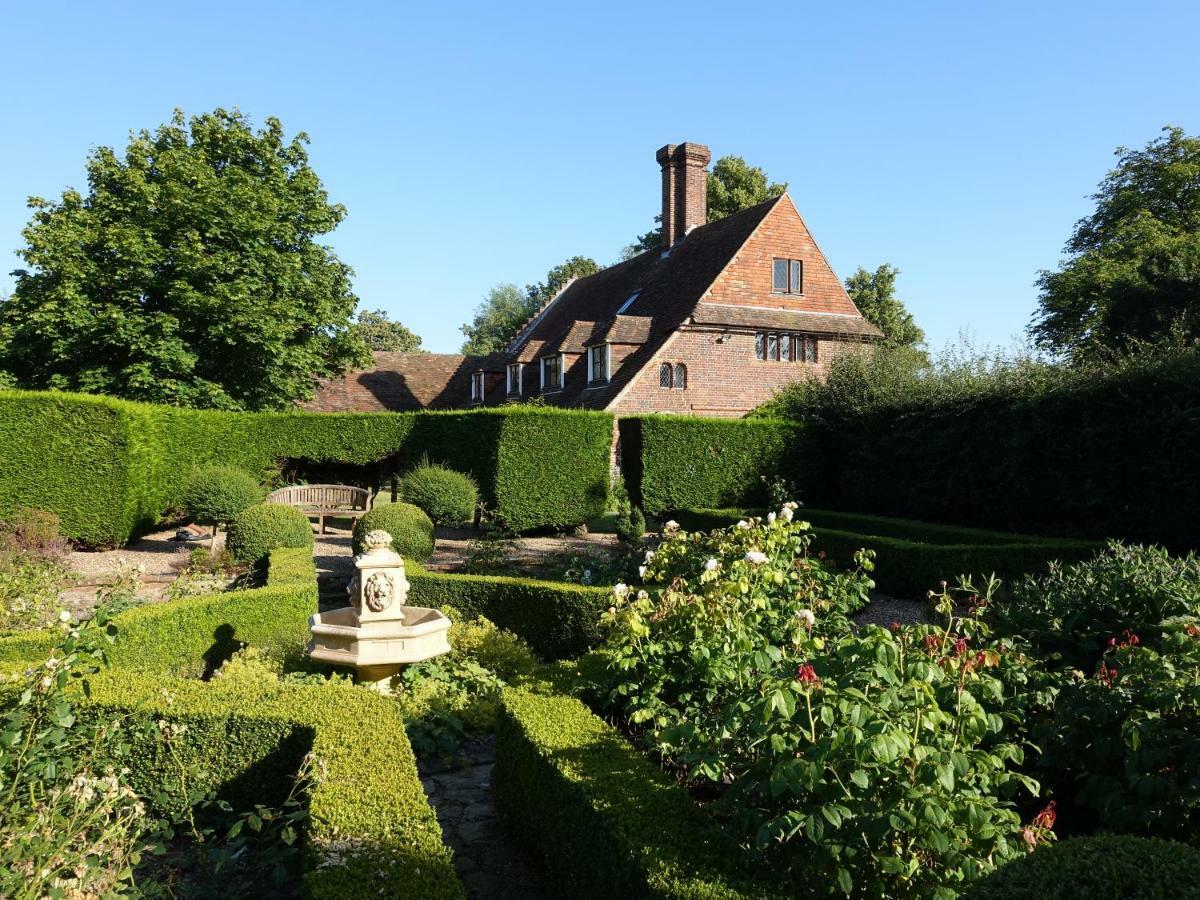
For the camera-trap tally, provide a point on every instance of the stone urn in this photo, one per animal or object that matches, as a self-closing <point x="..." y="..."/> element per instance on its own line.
<point x="377" y="634"/>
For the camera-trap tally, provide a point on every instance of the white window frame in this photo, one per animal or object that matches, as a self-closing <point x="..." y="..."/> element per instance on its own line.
<point x="478" y="386"/>
<point x="562" y="373"/>
<point x="509" y="378"/>
<point x="606" y="363"/>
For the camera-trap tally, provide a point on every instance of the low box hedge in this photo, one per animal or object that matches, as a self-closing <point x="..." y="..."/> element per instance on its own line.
<point x="914" y="557"/>
<point x="371" y="830"/>
<point x="606" y="819"/>
<point x="557" y="620"/>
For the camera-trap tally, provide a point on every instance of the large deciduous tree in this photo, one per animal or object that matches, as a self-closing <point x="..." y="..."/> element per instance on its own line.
<point x="506" y="308"/>
<point x="375" y="329"/>
<point x="733" y="185"/>
<point x="189" y="273"/>
<point x="1133" y="271"/>
<point x="874" y="293"/>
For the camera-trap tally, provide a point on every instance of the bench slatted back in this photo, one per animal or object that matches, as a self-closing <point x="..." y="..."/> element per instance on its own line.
<point x="322" y="496"/>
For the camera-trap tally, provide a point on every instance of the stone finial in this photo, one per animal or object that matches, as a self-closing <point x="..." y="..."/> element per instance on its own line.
<point x="377" y="539"/>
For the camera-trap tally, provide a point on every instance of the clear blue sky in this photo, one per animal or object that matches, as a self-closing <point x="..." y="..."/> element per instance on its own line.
<point x="481" y="143"/>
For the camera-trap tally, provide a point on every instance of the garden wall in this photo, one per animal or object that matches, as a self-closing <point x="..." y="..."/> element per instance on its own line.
<point x="109" y="468"/>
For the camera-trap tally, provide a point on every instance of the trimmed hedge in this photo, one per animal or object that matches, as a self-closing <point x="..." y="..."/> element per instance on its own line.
<point x="608" y="821"/>
<point x="256" y="531"/>
<point x="410" y="528"/>
<point x="915" y="557"/>
<point x="1104" y="867"/>
<point x="370" y="832"/>
<point x="558" y="621"/>
<point x="110" y="468"/>
<point x="682" y="462"/>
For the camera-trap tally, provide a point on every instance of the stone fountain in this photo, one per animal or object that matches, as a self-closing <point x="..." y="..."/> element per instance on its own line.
<point x="377" y="634"/>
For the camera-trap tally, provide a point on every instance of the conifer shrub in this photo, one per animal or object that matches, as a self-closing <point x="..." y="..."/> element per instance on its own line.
<point x="447" y="496"/>
<point x="259" y="529"/>
<point x="411" y="529"/>
<point x="214" y="495"/>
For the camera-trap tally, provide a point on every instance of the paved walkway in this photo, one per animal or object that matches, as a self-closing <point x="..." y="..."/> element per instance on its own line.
<point x="489" y="864"/>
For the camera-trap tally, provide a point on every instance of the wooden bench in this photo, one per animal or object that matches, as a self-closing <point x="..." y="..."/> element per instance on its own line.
<point x="339" y="501"/>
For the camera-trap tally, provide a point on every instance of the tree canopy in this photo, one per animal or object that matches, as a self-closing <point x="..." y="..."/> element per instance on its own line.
<point x="189" y="273"/>
<point x="1133" y="270"/>
<point x="874" y="293"/>
<point x="375" y="329"/>
<point x="506" y="307"/>
<point x="733" y="185"/>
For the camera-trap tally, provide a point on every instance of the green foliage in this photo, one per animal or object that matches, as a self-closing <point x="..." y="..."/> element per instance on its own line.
<point x="557" y="278"/>
<point x="218" y="494"/>
<point x="870" y="762"/>
<point x="1072" y="613"/>
<point x="874" y="293"/>
<point x="29" y="590"/>
<point x="410" y="528"/>
<point x="258" y="530"/>
<point x="447" y="496"/>
<point x="188" y="274"/>
<point x="131" y="455"/>
<point x="1032" y="445"/>
<point x="1103" y="867"/>
<point x="1134" y="264"/>
<point x="34" y="531"/>
<point x="608" y="821"/>
<point x="1123" y="742"/>
<point x="630" y="524"/>
<point x="677" y="462"/>
<point x="498" y="319"/>
<point x="378" y="332"/>
<point x="557" y="620"/>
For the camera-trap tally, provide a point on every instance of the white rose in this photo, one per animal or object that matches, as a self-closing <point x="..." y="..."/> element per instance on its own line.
<point x="786" y="514"/>
<point x="771" y="518"/>
<point x="620" y="589"/>
<point x="755" y="557"/>
<point x="710" y="565"/>
<point x="807" y="617"/>
<point x="671" y="525"/>
<point x="649" y="555"/>
<point x="641" y="571"/>
<point x="64" y="616"/>
<point x="743" y="524"/>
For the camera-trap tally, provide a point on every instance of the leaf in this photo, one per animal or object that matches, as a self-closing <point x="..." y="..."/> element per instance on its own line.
<point x="945" y="776"/>
<point x="859" y="777"/>
<point x="845" y="882"/>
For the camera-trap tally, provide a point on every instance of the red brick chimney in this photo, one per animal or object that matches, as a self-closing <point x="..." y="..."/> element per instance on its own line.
<point x="684" y="189"/>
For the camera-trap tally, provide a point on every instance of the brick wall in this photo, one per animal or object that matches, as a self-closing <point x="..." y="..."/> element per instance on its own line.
<point x="724" y="379"/>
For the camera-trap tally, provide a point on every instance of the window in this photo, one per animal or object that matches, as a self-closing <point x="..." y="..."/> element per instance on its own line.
<point x="552" y="373"/>
<point x="664" y="375"/>
<point x="785" y="347"/>
<point x="477" y="387"/>
<point x="598" y="363"/>
<point x="680" y="376"/>
<point x="773" y="346"/>
<point x="787" y="276"/>
<point x="760" y="346"/>
<point x="628" y="303"/>
<point x="786" y="350"/>
<point x="514" y="378"/>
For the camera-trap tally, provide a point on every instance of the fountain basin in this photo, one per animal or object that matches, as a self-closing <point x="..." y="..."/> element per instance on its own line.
<point x="378" y="649"/>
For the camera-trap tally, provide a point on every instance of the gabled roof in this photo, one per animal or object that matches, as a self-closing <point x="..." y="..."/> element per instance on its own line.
<point x="670" y="287"/>
<point x="401" y="382"/>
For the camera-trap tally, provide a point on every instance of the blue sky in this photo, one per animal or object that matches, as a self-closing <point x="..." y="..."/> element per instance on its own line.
<point x="480" y="143"/>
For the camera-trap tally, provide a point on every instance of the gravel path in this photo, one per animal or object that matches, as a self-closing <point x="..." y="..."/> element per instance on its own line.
<point x="450" y="551"/>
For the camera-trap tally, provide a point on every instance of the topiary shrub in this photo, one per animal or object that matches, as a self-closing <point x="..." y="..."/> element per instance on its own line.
<point x="258" y="530"/>
<point x="411" y="529"/>
<point x="448" y="497"/>
<point x="216" y="494"/>
<point x="1104" y="867"/>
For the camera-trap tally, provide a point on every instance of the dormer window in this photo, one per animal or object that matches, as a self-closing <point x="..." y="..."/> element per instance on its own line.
<point x="787" y="276"/>
<point x="514" y="379"/>
<point x="598" y="363"/>
<point x="477" y="385"/>
<point x="552" y="373"/>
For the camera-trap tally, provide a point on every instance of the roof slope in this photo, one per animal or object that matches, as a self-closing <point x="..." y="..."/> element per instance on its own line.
<point x="399" y="382"/>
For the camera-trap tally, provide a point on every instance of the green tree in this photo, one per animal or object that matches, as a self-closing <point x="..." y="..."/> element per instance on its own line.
<point x="874" y="293"/>
<point x="503" y="311"/>
<point x="189" y="273"/>
<point x="733" y="185"/>
<point x="1133" y="271"/>
<point x="506" y="308"/>
<point x="379" y="332"/>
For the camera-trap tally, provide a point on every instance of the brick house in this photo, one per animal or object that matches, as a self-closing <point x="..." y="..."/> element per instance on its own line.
<point x="712" y="323"/>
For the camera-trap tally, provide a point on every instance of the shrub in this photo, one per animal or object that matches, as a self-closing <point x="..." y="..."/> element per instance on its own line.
<point x="448" y="497"/>
<point x="257" y="530"/>
<point x="871" y="761"/>
<point x="609" y="822"/>
<point x="36" y="531"/>
<point x="216" y="494"/>
<point x="1123" y="744"/>
<point x="1103" y="867"/>
<point x="29" y="591"/>
<point x="1072" y="613"/>
<point x="410" y="528"/>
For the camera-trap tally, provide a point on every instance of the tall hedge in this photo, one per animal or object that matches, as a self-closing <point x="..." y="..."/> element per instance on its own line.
<point x="678" y="462"/>
<point x="110" y="468"/>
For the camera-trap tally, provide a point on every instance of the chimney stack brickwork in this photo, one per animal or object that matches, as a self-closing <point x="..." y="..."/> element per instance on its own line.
<point x="684" y="189"/>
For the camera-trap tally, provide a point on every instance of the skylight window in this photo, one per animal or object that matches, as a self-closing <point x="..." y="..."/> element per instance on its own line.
<point x="628" y="303"/>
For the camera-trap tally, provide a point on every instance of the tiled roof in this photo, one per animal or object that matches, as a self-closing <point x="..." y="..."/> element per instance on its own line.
<point x="401" y="382"/>
<point x="784" y="320"/>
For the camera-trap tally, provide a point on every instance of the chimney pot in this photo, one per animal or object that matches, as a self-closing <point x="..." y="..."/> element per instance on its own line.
<point x="684" y="189"/>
